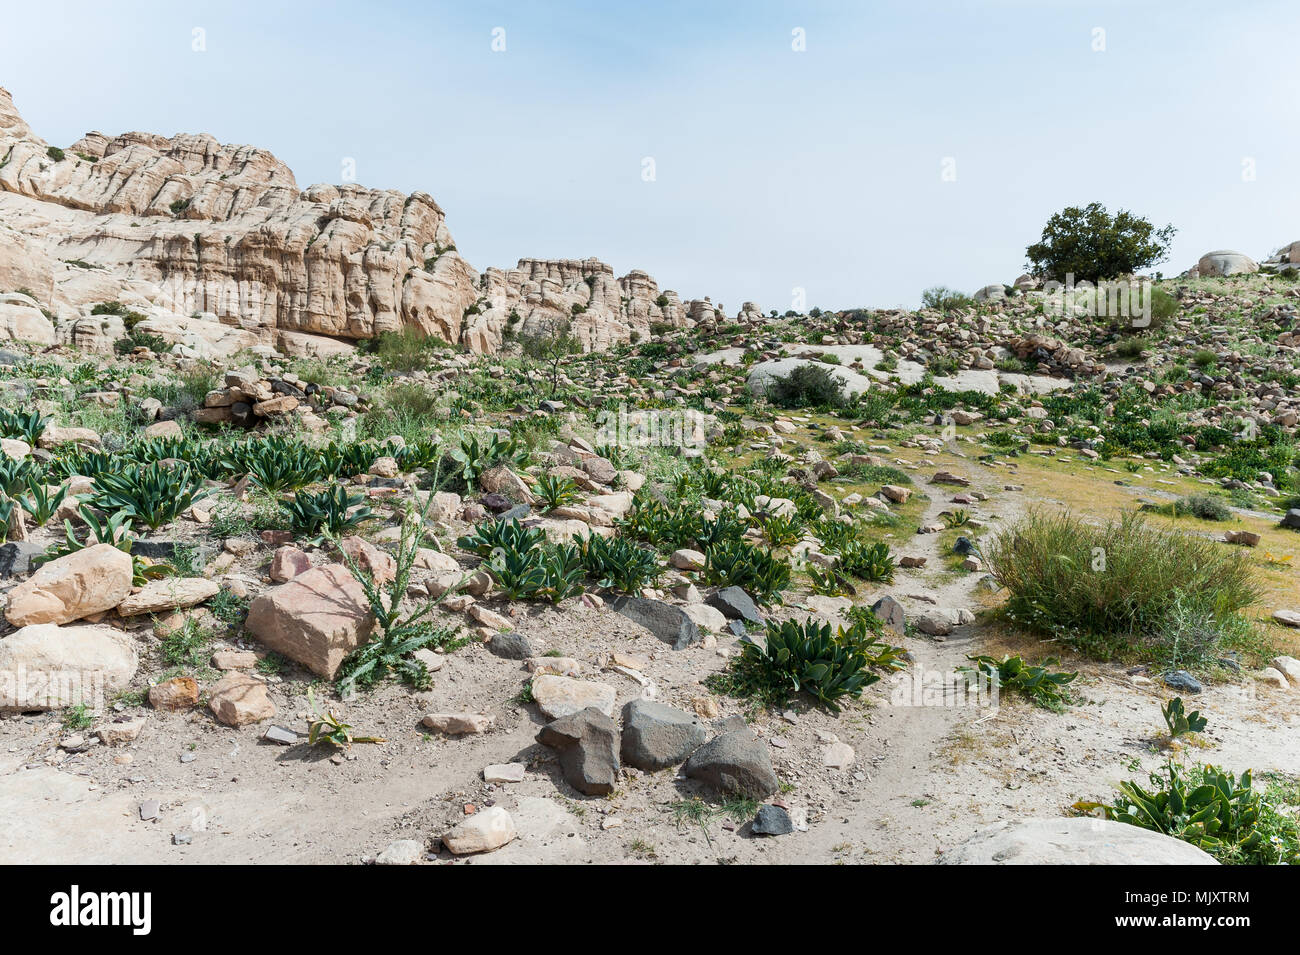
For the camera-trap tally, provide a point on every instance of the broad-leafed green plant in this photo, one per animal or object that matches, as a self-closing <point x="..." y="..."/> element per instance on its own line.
<point x="23" y="425"/>
<point x="39" y="501"/>
<point x="152" y="494"/>
<point x="1042" y="686"/>
<point x="331" y="511"/>
<point x="556" y="492"/>
<point x="473" y="457"/>
<point x="1181" y="722"/>
<point x="14" y="474"/>
<point x="617" y="563"/>
<point x="797" y="657"/>
<point x="274" y="463"/>
<point x="402" y="627"/>
<point x="1213" y="809"/>
<point x="740" y="564"/>
<point x="324" y="728"/>
<point x="550" y="573"/>
<point x="509" y="536"/>
<point x="866" y="560"/>
<point x="7" y="508"/>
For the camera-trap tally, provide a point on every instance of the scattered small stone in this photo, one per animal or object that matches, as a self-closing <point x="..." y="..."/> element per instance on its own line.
<point x="280" y="736"/>
<point x="484" y="831"/>
<point x="402" y="852"/>
<point x="772" y="821"/>
<point x="1182" y="680"/>
<point x="504" y="773"/>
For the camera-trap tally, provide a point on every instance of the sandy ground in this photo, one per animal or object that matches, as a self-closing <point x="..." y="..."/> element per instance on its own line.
<point x="924" y="777"/>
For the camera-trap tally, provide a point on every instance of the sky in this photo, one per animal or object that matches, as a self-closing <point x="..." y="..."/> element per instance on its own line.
<point x="832" y="154"/>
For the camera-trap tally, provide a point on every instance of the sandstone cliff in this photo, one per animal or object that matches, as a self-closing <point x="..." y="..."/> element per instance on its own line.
<point x="220" y="249"/>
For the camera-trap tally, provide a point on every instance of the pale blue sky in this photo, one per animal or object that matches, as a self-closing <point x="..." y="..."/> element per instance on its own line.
<point x="775" y="169"/>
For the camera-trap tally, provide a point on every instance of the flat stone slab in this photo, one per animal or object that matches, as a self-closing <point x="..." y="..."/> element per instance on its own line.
<point x="670" y="624"/>
<point x="559" y="696"/>
<point x="1078" y="841"/>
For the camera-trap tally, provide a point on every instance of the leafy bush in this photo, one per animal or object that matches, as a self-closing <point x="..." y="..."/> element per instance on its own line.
<point x="617" y="563"/>
<point x="806" y="386"/>
<point x="550" y="573"/>
<point x="405" y="350"/>
<point x="866" y="560"/>
<point x="509" y="536"/>
<point x="153" y="494"/>
<point x="1204" y="506"/>
<point x="23" y="425"/>
<point x="1214" y="810"/>
<point x="398" y="633"/>
<point x="7" y="508"/>
<point x="557" y="491"/>
<point x="781" y="530"/>
<point x="1163" y="307"/>
<point x="473" y="457"/>
<point x="1181" y="722"/>
<point x="1043" y="687"/>
<point x="1091" y="244"/>
<point x="329" y="512"/>
<point x="349" y="460"/>
<point x="138" y="339"/>
<point x="801" y="657"/>
<point x="740" y="564"/>
<point x="1130" y="348"/>
<point x="274" y="463"/>
<point x="14" y="475"/>
<point x="39" y="502"/>
<point x="945" y="299"/>
<point x="1110" y="589"/>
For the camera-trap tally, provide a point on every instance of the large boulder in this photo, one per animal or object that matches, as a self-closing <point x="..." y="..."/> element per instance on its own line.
<point x="735" y="763"/>
<point x="656" y="736"/>
<point x="559" y="696"/>
<point x="669" y="623"/>
<point x="47" y="667"/>
<point x="21" y="320"/>
<point x="588" y="746"/>
<point x="88" y="581"/>
<point x="317" y="618"/>
<point x="1077" y="841"/>
<point x="1225" y="262"/>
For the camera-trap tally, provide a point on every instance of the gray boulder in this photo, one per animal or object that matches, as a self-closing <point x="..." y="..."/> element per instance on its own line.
<point x="890" y="612"/>
<point x="588" y="745"/>
<point x="735" y="604"/>
<point x="656" y="736"/>
<point x="16" y="558"/>
<point x="670" y="624"/>
<point x="734" y="763"/>
<point x="510" y="646"/>
<point x="772" y="821"/>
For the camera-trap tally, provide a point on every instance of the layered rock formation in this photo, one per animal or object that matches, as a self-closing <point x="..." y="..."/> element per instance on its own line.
<point x="219" y="249"/>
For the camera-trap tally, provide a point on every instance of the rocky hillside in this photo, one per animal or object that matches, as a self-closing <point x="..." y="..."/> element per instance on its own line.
<point x="220" y="249"/>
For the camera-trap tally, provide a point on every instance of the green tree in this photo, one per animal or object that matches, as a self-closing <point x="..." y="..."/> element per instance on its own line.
<point x="1093" y="245"/>
<point x="550" y="347"/>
